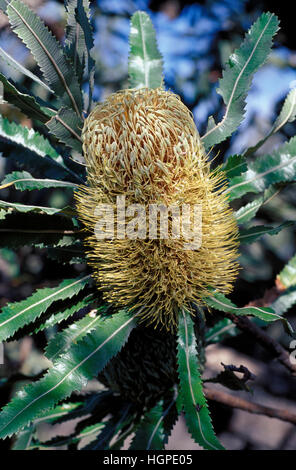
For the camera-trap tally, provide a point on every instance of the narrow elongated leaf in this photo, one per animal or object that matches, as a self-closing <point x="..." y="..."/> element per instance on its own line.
<point x="222" y="303"/>
<point x="71" y="372"/>
<point x="22" y="180"/>
<point x="61" y="342"/>
<point x="277" y="167"/>
<point x="57" y="70"/>
<point x="150" y="434"/>
<point x="170" y="413"/>
<point x="18" y="314"/>
<point x="75" y="46"/>
<point x="221" y="330"/>
<point x="287" y="114"/>
<point x="287" y="276"/>
<point x="66" y="127"/>
<point x="39" y="209"/>
<point x="247" y="212"/>
<point x="197" y="414"/>
<point x="145" y="61"/>
<point x="14" y="64"/>
<point x="27" y="138"/>
<point x="83" y="19"/>
<point x="57" y="318"/>
<point x="285" y="301"/>
<point x="20" y="98"/>
<point x="253" y="234"/>
<point x="79" y="41"/>
<point x="238" y="74"/>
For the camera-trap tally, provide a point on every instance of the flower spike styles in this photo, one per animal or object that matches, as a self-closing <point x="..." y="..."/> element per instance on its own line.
<point x="142" y="149"/>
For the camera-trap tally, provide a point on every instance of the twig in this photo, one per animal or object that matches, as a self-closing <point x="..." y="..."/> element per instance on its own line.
<point x="237" y="402"/>
<point x="265" y="340"/>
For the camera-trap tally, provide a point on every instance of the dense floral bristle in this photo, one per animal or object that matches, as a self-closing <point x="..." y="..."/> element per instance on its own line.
<point x="143" y="145"/>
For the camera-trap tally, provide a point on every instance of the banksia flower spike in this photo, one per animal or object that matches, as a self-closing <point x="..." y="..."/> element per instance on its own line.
<point x="142" y="147"/>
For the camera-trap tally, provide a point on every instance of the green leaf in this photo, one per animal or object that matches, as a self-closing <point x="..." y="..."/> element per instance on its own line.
<point x="49" y="55"/>
<point x="39" y="209"/>
<point x="197" y="415"/>
<point x="247" y="212"/>
<point x="277" y="167"/>
<point x="287" y="276"/>
<point x="238" y="74"/>
<point x="70" y="373"/>
<point x="221" y="330"/>
<point x="27" y="138"/>
<point x="22" y="180"/>
<point x="222" y="303"/>
<point x="251" y="235"/>
<point x="285" y="301"/>
<point x="145" y="61"/>
<point x="235" y="166"/>
<point x="24" y="438"/>
<point x="65" y="314"/>
<point x="12" y="63"/>
<point x="287" y="114"/>
<point x="29" y="105"/>
<point x="18" y="314"/>
<point x="75" y="47"/>
<point x="150" y="433"/>
<point x="79" y="41"/>
<point x="61" y="342"/>
<point x="66" y="127"/>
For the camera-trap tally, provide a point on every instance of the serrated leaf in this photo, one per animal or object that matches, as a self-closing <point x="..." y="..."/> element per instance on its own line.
<point x="197" y="414"/>
<point x="27" y="138"/>
<point x="247" y="212"/>
<point x="221" y="330"/>
<point x="61" y="342"/>
<point x="49" y="55"/>
<point x="238" y="74"/>
<point x="28" y="104"/>
<point x="287" y="276"/>
<point x="150" y="433"/>
<point x="15" y="206"/>
<point x="35" y="146"/>
<point x="287" y="114"/>
<point x="22" y="180"/>
<point x="70" y="373"/>
<point x="235" y="166"/>
<point x="251" y="235"/>
<point x="277" y="167"/>
<point x="57" y="318"/>
<point x="145" y="61"/>
<point x="12" y="63"/>
<point x="14" y="316"/>
<point x="285" y="301"/>
<point x="222" y="303"/>
<point x="66" y="127"/>
<point x="75" y="46"/>
<point x="79" y="41"/>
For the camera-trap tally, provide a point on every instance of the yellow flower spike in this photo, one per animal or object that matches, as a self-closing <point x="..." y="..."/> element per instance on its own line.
<point x="143" y="145"/>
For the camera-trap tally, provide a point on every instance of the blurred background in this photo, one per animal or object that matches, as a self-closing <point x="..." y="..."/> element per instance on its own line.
<point x="195" y="39"/>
